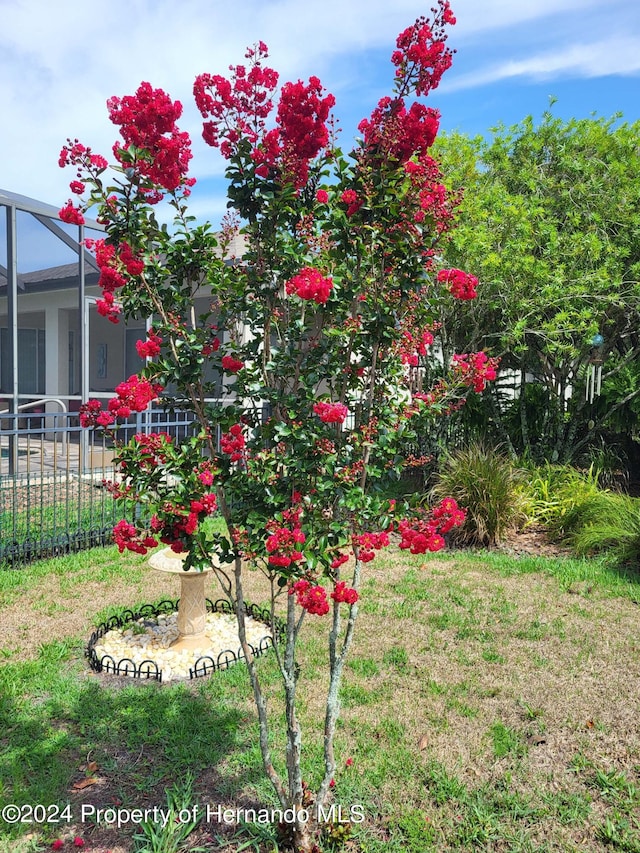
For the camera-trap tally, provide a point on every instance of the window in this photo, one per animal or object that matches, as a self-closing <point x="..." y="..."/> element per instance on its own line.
<point x="31" y="361"/>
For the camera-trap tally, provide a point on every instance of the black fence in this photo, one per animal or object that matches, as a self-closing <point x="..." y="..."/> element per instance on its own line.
<point x="53" y="498"/>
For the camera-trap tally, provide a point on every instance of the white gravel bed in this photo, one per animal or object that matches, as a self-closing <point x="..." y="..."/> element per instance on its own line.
<point x="150" y="639"/>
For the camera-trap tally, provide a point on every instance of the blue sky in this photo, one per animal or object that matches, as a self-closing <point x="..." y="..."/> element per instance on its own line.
<point x="60" y="62"/>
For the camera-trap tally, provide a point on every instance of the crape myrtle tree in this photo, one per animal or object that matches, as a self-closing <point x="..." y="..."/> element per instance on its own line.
<point x="320" y="328"/>
<point x="550" y="223"/>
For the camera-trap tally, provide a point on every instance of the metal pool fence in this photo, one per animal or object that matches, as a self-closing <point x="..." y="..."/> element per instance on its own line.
<point x="53" y="498"/>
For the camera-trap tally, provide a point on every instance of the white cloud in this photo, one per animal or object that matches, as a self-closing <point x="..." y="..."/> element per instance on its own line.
<point x="59" y="62"/>
<point x="598" y="59"/>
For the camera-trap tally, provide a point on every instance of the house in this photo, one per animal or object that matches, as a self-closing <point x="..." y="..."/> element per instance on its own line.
<point x="56" y="351"/>
<point x="48" y="289"/>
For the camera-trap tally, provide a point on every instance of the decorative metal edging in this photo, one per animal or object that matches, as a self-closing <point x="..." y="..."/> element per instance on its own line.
<point x="16" y="553"/>
<point x="205" y="665"/>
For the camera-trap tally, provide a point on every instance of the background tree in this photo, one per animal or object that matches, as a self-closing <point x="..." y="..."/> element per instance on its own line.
<point x="550" y="220"/>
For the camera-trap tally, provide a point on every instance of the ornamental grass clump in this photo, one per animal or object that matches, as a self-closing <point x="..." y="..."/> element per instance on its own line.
<point x="321" y="332"/>
<point x="488" y="485"/>
<point x="609" y="523"/>
<point x="560" y="497"/>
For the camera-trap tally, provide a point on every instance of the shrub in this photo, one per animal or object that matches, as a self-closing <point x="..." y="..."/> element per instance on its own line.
<point x="558" y="496"/>
<point x="610" y="522"/>
<point x="487" y="484"/>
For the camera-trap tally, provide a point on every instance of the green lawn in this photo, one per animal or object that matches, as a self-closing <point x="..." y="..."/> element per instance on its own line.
<point x="490" y="703"/>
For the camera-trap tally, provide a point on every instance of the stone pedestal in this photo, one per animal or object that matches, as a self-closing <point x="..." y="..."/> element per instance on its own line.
<point x="192" y="609"/>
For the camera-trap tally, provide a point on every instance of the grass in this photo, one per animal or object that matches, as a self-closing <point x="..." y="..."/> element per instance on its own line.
<point x="490" y="703"/>
<point x="51" y="516"/>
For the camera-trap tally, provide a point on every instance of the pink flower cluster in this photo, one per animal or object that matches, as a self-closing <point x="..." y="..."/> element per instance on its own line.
<point x="422" y="57"/>
<point x="133" y="395"/>
<point x="414" y="345"/>
<point x="476" y="369"/>
<point x="233" y="443"/>
<point x="211" y="346"/>
<point x="153" y="448"/>
<point x="339" y="560"/>
<point x="430" y="196"/>
<point x="109" y="308"/>
<point x="331" y="413"/>
<point x="369" y="543"/>
<point x="310" y="283"/>
<point x="117" y="265"/>
<point x="88" y="165"/>
<point x="74" y="153"/>
<point x="397" y="132"/>
<point x="175" y="523"/>
<point x="461" y="284"/>
<point x="205" y="473"/>
<point x="151" y="347"/>
<point x="126" y="535"/>
<point x="283" y="545"/>
<point x="353" y="202"/>
<point x="313" y="598"/>
<point x="92" y="414"/>
<point x="70" y="214"/>
<point x="147" y="121"/>
<point x="58" y="844"/>
<point x="344" y="594"/>
<point x="447" y="514"/>
<point x="303" y="133"/>
<point x="422" y="535"/>
<point x="237" y="108"/>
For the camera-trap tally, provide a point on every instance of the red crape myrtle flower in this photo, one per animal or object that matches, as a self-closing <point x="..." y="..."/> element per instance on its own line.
<point x="150" y="347"/>
<point x="283" y="545"/>
<point x="231" y="364"/>
<point x="152" y="449"/>
<point x="133" y="395"/>
<point x="236" y="109"/>
<point x="369" y="543"/>
<point x="302" y="116"/>
<point x="313" y="598"/>
<point x="233" y="443"/>
<point x="91" y="415"/>
<point x="344" y="593"/>
<point x="420" y="535"/>
<point x="310" y="283"/>
<point x="117" y="266"/>
<point x="331" y="413"/>
<point x="71" y="214"/>
<point x="422" y="57"/>
<point x="461" y="284"/>
<point x="126" y="535"/>
<point x="475" y="369"/>
<point x="398" y="132"/>
<point x="147" y="121"/>
<point x="109" y="308"/>
<point x="339" y="560"/>
<point x="350" y="198"/>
